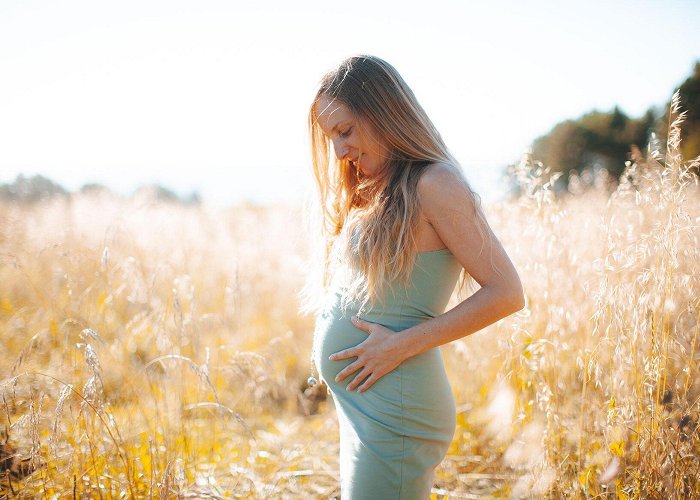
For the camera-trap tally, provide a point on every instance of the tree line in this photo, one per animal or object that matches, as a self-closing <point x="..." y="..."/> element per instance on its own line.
<point x="603" y="140"/>
<point x="37" y="187"/>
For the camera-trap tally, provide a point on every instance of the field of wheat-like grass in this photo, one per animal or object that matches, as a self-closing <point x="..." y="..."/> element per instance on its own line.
<point x="150" y="349"/>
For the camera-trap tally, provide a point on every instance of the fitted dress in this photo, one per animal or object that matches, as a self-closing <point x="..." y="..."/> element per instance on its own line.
<point x="394" y="434"/>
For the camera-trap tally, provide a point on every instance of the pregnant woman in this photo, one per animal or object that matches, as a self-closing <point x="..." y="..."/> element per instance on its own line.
<point x="400" y="223"/>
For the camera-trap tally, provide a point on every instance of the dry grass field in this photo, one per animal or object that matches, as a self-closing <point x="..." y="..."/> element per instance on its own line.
<point x="156" y="350"/>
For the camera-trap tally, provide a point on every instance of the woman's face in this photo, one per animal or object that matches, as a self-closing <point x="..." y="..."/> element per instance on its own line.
<point x="352" y="141"/>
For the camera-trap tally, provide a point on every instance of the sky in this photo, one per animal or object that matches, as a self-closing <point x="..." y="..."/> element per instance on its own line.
<point x="213" y="96"/>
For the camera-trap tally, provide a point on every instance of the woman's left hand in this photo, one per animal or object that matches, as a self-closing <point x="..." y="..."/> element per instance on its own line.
<point x="376" y="356"/>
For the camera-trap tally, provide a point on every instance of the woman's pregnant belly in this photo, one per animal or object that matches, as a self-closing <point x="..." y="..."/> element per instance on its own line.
<point x="416" y="395"/>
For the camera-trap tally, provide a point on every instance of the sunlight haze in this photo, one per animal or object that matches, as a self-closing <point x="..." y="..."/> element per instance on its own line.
<point x="213" y="96"/>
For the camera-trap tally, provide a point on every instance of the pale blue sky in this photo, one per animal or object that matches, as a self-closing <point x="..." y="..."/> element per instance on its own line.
<point x="213" y="95"/>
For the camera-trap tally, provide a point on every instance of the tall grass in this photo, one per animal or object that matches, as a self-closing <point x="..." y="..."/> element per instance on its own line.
<point x="155" y="350"/>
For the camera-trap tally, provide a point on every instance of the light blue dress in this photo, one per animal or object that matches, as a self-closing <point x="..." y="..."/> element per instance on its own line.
<point x="393" y="435"/>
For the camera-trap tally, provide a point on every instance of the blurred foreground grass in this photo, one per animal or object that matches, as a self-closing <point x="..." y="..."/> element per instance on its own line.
<point x="150" y="349"/>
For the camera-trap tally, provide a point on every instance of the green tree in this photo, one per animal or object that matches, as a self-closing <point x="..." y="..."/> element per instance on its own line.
<point x="690" y="104"/>
<point x="594" y="141"/>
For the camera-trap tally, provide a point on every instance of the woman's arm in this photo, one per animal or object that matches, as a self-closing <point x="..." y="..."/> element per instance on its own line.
<point x="451" y="211"/>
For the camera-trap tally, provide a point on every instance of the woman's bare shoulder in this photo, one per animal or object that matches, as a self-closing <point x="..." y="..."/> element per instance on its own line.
<point x="442" y="186"/>
<point x="437" y="173"/>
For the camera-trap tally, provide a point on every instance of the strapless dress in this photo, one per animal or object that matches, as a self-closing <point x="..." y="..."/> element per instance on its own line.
<point x="393" y="435"/>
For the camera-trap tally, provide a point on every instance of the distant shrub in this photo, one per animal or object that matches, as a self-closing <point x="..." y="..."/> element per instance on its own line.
<point x="31" y="189"/>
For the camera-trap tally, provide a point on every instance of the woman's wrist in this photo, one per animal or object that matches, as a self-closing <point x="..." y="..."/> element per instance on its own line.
<point x="410" y="342"/>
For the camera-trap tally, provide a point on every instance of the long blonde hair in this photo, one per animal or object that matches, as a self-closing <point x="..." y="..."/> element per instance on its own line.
<point x="380" y="234"/>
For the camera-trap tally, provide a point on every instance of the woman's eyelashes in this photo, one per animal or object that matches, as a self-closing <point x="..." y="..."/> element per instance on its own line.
<point x="345" y="133"/>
